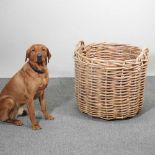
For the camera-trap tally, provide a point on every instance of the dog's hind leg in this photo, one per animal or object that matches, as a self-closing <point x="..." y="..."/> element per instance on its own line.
<point x="8" y="111"/>
<point x="12" y="117"/>
<point x="4" y="115"/>
<point x="6" y="105"/>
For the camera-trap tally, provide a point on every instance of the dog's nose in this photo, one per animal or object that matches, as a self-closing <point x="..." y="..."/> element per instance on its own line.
<point x="39" y="57"/>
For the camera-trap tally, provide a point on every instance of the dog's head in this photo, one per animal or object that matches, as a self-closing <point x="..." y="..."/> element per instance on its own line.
<point x="39" y="54"/>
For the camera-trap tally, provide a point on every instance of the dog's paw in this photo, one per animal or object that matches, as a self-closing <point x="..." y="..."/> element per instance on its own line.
<point x="15" y="121"/>
<point x="49" y="117"/>
<point x="18" y="122"/>
<point x="36" y="126"/>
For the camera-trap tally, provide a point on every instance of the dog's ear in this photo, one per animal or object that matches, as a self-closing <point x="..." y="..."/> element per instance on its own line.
<point x="48" y="54"/>
<point x="27" y="54"/>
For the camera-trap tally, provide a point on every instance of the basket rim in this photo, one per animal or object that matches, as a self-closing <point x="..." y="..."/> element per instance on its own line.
<point x="142" y="57"/>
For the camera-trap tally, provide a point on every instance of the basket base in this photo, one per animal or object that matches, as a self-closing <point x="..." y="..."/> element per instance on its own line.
<point x="110" y="118"/>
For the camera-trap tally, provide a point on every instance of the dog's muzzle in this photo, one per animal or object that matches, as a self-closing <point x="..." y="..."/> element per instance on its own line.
<point x="39" y="58"/>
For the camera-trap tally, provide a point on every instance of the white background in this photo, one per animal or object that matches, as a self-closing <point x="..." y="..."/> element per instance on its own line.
<point x="60" y="24"/>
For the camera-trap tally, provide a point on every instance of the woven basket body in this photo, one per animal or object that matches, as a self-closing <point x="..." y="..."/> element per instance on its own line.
<point x="109" y="79"/>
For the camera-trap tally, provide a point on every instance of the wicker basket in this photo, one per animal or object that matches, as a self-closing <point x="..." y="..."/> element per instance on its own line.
<point x="109" y="79"/>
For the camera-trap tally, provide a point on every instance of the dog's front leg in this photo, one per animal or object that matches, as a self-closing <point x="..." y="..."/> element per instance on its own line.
<point x="31" y="112"/>
<point x="43" y="107"/>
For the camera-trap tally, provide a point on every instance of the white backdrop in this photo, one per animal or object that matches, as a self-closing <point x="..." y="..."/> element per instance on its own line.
<point x="60" y="24"/>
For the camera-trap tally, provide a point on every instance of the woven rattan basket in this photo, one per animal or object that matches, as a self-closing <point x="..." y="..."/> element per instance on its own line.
<point x="109" y="79"/>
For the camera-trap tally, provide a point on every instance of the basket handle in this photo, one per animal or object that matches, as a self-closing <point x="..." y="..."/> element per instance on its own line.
<point x="80" y="45"/>
<point x="143" y="56"/>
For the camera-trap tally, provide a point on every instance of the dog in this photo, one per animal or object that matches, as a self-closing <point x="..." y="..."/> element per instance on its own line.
<point x="25" y="86"/>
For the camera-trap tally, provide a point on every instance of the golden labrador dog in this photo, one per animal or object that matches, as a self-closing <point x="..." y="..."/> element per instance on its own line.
<point x="26" y="85"/>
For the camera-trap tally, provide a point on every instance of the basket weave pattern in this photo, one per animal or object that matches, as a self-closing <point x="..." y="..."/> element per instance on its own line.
<point x="109" y="79"/>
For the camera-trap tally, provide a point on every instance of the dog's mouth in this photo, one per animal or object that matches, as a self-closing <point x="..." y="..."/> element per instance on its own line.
<point x="39" y="60"/>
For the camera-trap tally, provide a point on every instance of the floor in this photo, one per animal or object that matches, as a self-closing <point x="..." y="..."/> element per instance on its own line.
<point x="74" y="133"/>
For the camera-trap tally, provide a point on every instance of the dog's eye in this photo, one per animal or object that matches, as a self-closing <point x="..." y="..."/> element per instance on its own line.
<point x="43" y="49"/>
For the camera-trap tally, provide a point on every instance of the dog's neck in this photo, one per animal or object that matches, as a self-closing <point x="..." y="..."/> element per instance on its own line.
<point x="35" y="68"/>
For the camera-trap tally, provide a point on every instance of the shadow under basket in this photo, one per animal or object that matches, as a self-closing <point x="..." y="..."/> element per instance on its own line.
<point x="109" y="79"/>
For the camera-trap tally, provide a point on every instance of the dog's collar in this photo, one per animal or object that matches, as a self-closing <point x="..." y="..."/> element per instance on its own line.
<point x="35" y="69"/>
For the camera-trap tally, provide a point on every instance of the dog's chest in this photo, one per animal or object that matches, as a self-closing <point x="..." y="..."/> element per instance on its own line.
<point x="42" y="83"/>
